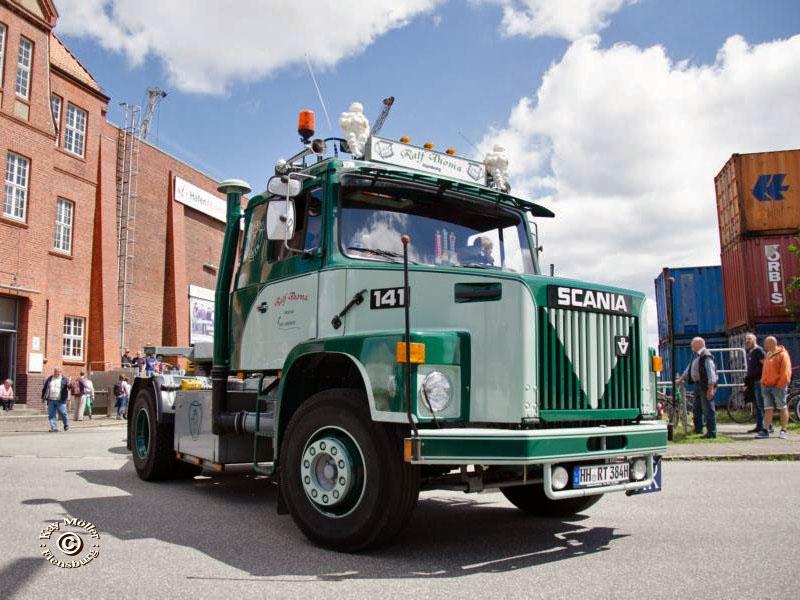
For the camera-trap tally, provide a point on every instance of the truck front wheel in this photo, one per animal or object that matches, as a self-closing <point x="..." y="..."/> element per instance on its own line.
<point x="342" y="476"/>
<point x="533" y="500"/>
<point x="153" y="442"/>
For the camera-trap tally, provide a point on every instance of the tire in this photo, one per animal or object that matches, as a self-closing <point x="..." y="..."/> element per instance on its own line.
<point x="794" y="408"/>
<point x="738" y="409"/>
<point x="152" y="442"/>
<point x="342" y="476"/>
<point x="532" y="500"/>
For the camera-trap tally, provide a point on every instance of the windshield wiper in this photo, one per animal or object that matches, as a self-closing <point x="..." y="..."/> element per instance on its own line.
<point x="379" y="252"/>
<point x="480" y="266"/>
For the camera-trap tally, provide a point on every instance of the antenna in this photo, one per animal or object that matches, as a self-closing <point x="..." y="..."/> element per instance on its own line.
<point x="319" y="93"/>
<point x="469" y="141"/>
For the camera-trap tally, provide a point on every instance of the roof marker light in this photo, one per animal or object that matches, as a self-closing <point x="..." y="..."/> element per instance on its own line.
<point x="428" y="146"/>
<point x="405" y="139"/>
<point x="451" y="151"/>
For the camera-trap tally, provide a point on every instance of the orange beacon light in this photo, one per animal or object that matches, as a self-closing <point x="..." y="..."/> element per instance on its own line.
<point x="305" y="125"/>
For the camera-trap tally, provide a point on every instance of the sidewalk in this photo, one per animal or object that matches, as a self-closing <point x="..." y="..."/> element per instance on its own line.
<point x="743" y="447"/>
<point x="33" y="421"/>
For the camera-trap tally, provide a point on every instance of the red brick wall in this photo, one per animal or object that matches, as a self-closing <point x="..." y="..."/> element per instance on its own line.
<point x="84" y="284"/>
<point x="26" y="249"/>
<point x="182" y="238"/>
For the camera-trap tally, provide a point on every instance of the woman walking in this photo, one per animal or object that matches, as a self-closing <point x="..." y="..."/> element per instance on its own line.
<point x="120" y="396"/>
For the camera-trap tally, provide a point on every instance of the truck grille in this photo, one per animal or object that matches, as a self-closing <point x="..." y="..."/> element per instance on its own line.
<point x="578" y="365"/>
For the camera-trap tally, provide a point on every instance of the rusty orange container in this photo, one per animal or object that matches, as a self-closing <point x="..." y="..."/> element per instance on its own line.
<point x="755" y="275"/>
<point x="758" y="194"/>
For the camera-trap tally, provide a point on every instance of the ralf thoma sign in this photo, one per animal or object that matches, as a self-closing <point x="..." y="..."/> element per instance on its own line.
<point x="436" y="163"/>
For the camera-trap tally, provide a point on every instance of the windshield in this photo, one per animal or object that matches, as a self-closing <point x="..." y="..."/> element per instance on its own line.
<point x="445" y="228"/>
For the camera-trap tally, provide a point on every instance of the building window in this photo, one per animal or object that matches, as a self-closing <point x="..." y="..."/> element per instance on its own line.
<point x="63" y="231"/>
<point x="16" y="189"/>
<point x="73" y="338"/>
<point x="2" y="51"/>
<point x="55" y="107"/>
<point x="75" y="130"/>
<point x="24" y="60"/>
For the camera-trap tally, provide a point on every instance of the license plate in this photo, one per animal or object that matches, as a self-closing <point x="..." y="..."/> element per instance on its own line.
<point x="597" y="475"/>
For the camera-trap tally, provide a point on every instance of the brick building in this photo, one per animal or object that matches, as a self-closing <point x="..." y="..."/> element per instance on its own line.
<point x="59" y="227"/>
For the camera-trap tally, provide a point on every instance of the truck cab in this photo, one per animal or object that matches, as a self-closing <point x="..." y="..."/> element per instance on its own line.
<point x="385" y="328"/>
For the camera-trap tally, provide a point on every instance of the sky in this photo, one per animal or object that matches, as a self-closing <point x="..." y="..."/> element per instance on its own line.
<point x="616" y="114"/>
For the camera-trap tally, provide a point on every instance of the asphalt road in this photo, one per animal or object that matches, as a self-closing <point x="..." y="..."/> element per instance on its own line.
<point x="718" y="530"/>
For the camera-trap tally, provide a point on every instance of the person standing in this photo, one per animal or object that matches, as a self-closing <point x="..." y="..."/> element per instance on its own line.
<point x="752" y="380"/>
<point x="88" y="398"/>
<point x="775" y="377"/>
<point x="127" y="386"/>
<point x="56" y="392"/>
<point x="7" y="395"/>
<point x="119" y="396"/>
<point x="150" y="365"/>
<point x="76" y="389"/>
<point x="126" y="360"/>
<point x="702" y="372"/>
<point x="138" y="363"/>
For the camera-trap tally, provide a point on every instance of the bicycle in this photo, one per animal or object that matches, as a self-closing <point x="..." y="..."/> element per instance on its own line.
<point x="740" y="408"/>
<point x="676" y="409"/>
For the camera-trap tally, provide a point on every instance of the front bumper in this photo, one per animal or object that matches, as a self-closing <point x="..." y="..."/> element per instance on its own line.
<point x="546" y="447"/>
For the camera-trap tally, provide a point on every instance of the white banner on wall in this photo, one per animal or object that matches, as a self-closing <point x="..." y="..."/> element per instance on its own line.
<point x="199" y="199"/>
<point x="201" y="314"/>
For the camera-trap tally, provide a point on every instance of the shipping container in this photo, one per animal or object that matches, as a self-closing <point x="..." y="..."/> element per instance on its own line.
<point x="755" y="275"/>
<point x="758" y="193"/>
<point x="683" y="354"/>
<point x="698" y="304"/>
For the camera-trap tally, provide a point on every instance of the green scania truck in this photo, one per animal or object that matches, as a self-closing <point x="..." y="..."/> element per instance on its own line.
<point x="382" y="327"/>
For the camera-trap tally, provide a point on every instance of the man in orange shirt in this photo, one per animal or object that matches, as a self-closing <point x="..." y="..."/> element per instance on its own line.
<point x="774" y="378"/>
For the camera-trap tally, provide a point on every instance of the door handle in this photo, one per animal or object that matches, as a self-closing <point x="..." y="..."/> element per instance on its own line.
<point x="262" y="308"/>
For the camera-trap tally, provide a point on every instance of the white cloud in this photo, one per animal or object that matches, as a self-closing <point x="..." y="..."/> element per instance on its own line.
<point x="206" y="45"/>
<point x="568" y="19"/>
<point x="624" y="143"/>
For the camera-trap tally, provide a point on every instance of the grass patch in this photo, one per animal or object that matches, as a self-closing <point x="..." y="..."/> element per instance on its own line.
<point x="696" y="438"/>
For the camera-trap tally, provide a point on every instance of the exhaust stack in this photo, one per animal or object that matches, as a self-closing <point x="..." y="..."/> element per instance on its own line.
<point x="234" y="190"/>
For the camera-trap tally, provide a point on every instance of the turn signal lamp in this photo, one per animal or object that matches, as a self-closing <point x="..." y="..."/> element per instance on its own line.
<point x="417" y="353"/>
<point x="405" y="139"/>
<point x="428" y="146"/>
<point x="305" y="124"/>
<point x="656" y="364"/>
<point x="451" y="151"/>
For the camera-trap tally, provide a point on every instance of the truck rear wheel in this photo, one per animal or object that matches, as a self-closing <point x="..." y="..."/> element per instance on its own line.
<point x="533" y="500"/>
<point x="342" y="476"/>
<point x="152" y="442"/>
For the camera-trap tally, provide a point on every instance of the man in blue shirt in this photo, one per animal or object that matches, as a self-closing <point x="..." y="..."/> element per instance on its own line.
<point x="702" y="372"/>
<point x="752" y="380"/>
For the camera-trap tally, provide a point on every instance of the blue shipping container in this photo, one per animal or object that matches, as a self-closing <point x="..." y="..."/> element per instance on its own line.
<point x="698" y="304"/>
<point x="683" y="354"/>
<point x="786" y="334"/>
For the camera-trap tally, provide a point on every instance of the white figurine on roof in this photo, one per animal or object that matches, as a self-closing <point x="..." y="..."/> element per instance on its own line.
<point x="496" y="163"/>
<point x="355" y="126"/>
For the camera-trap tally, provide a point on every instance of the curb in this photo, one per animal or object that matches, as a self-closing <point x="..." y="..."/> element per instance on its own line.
<point x="788" y="456"/>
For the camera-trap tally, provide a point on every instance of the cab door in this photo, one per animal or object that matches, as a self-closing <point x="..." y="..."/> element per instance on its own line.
<point x="274" y="306"/>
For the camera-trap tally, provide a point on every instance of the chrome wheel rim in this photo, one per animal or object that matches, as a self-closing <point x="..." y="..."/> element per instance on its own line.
<point x="332" y="471"/>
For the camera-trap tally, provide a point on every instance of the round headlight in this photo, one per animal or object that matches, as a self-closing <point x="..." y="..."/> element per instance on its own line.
<point x="438" y="390"/>
<point x="639" y="469"/>
<point x="560" y="478"/>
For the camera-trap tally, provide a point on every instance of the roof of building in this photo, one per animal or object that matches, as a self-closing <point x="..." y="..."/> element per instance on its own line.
<point x="63" y="59"/>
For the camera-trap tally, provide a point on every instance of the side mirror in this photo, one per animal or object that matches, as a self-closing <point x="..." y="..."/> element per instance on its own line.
<point x="283" y="186"/>
<point x="280" y="219"/>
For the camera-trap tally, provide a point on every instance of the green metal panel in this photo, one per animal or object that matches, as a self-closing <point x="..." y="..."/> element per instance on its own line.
<point x="511" y="448"/>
